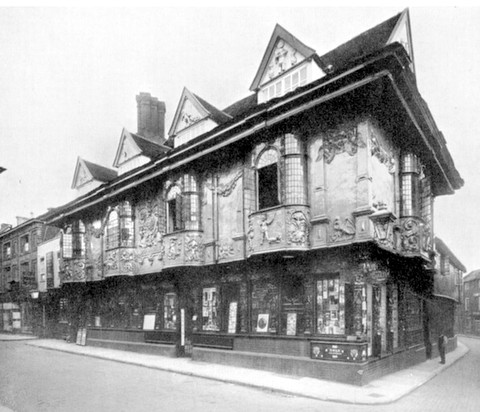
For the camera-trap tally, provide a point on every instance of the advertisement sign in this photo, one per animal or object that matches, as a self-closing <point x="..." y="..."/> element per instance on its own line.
<point x="232" y="317"/>
<point x="149" y="321"/>
<point x="345" y="352"/>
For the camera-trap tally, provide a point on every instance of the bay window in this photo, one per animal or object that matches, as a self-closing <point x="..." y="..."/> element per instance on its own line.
<point x="268" y="179"/>
<point x="120" y="228"/>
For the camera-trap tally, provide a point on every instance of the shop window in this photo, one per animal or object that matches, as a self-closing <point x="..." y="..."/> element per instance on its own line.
<point x="265" y="301"/>
<point x="268" y="179"/>
<point x="330" y="307"/>
<point x="174" y="209"/>
<point x="63" y="310"/>
<point x="170" y="311"/>
<point x="210" y="309"/>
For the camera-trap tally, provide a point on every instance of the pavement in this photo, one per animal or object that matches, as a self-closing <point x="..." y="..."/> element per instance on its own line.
<point x="387" y="389"/>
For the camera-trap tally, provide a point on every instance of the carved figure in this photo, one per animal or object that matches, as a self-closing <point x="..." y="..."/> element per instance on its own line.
<point x="264" y="224"/>
<point x="298" y="228"/>
<point x="343" y="230"/>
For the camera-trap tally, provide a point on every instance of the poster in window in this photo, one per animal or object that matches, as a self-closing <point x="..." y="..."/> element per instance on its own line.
<point x="262" y="322"/>
<point x="149" y="321"/>
<point x="232" y="317"/>
<point x="291" y="324"/>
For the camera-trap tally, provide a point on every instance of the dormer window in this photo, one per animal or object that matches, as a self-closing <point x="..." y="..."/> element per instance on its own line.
<point x="268" y="181"/>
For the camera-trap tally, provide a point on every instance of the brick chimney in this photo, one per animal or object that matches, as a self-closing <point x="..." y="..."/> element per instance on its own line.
<point x="151" y="118"/>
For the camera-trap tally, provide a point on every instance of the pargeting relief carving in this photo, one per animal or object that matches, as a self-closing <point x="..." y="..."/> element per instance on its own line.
<point x="149" y="224"/>
<point x="265" y="223"/>
<point x="174" y="248"/>
<point x="410" y="235"/>
<point x="383" y="233"/>
<point x="345" y="139"/>
<point x="73" y="271"/>
<point x="226" y="249"/>
<point x="342" y="230"/>
<point x="194" y="248"/>
<point x="297" y="228"/>
<point x="111" y="261"/>
<point x="284" y="57"/>
<point x="225" y="189"/>
<point x="250" y="235"/>
<point x="381" y="154"/>
<point x="127" y="262"/>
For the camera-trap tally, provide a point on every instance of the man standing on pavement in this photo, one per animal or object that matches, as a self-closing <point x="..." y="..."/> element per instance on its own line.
<point x="442" y="347"/>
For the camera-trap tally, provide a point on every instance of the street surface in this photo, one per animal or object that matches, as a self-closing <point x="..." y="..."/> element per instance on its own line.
<point x="35" y="379"/>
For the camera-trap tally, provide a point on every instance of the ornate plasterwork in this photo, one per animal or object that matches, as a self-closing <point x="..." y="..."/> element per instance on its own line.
<point x="149" y="224"/>
<point x="297" y="228"/>
<point x="250" y="235"/>
<point x="111" y="261"/>
<point x="226" y="249"/>
<point x="174" y="248"/>
<point x="194" y="248"/>
<point x="127" y="262"/>
<point x="383" y="233"/>
<point x="410" y="235"/>
<point x="381" y="154"/>
<point x="225" y="189"/>
<point x="73" y="271"/>
<point x="283" y="57"/>
<point x="345" y="139"/>
<point x="264" y="224"/>
<point x="342" y="230"/>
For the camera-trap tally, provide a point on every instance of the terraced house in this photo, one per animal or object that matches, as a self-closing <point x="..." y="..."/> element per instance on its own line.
<point x="291" y="231"/>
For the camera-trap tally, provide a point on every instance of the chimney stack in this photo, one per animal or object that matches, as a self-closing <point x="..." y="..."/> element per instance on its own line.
<point x="150" y="118"/>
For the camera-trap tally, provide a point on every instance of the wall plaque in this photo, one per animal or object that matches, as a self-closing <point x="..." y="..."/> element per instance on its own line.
<point x="345" y="352"/>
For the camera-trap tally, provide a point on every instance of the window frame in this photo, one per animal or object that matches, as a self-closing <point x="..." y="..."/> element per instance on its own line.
<point x="272" y="166"/>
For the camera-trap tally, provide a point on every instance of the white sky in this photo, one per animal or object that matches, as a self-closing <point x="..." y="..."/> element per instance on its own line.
<point x="69" y="77"/>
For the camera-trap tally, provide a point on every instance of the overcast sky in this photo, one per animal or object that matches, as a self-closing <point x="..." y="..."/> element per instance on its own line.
<point x="69" y="77"/>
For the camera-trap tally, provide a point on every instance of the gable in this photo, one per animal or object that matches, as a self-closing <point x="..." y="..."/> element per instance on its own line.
<point x="189" y="115"/>
<point x="402" y="34"/>
<point x="189" y="111"/>
<point x="82" y="175"/>
<point x="127" y="149"/>
<point x="282" y="58"/>
<point x="283" y="52"/>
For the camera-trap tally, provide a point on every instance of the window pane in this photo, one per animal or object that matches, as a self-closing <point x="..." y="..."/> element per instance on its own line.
<point x="113" y="231"/>
<point x="210" y="307"/>
<point x="330" y="306"/>
<point x="170" y="311"/>
<point x="268" y="186"/>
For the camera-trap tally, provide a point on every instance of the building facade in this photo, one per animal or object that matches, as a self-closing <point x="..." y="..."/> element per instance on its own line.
<point x="291" y="231"/>
<point x="471" y="303"/>
<point x="18" y="276"/>
<point x="446" y="307"/>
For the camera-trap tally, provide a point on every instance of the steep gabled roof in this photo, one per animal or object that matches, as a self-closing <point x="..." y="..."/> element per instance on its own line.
<point x="86" y="171"/>
<point x="100" y="173"/>
<point x="362" y="45"/>
<point x="241" y="106"/>
<point x="140" y="146"/>
<point x="279" y="33"/>
<point x="204" y="109"/>
<point x="473" y="275"/>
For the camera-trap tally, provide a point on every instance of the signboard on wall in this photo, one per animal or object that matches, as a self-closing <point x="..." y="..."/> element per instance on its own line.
<point x="149" y="321"/>
<point x="291" y="324"/>
<point x="232" y="317"/>
<point x="81" y="336"/>
<point x="345" y="352"/>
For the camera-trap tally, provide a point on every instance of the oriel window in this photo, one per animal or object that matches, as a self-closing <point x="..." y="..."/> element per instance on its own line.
<point x="174" y="209"/>
<point x="268" y="182"/>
